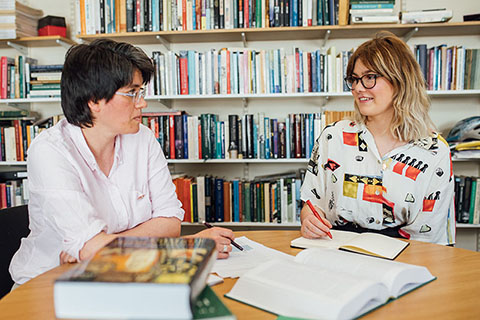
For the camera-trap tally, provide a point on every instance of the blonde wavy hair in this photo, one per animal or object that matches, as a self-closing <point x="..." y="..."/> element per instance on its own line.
<point x="390" y="57"/>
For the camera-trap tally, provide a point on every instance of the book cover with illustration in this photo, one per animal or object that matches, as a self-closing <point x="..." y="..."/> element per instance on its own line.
<point x="137" y="278"/>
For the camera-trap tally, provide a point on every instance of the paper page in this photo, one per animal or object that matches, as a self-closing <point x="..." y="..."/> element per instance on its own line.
<point x="339" y="238"/>
<point x="377" y="244"/>
<point x="240" y="262"/>
<point x="213" y="280"/>
<point x="292" y="289"/>
<point x="394" y="275"/>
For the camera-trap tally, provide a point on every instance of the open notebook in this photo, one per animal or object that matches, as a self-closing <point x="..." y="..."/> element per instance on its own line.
<point x="327" y="284"/>
<point x="373" y="244"/>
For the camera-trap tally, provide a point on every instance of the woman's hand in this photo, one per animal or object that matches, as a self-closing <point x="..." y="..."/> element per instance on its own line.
<point x="312" y="227"/>
<point x="66" y="258"/>
<point x="223" y="238"/>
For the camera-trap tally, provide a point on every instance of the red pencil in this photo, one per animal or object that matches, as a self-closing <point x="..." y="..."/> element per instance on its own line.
<point x="315" y="213"/>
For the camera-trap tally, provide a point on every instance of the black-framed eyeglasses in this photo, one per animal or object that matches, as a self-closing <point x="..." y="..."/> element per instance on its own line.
<point x="135" y="96"/>
<point x="368" y="80"/>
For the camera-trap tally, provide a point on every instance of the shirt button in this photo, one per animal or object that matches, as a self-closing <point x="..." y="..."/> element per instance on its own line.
<point x="377" y="221"/>
<point x="379" y="161"/>
<point x="384" y="166"/>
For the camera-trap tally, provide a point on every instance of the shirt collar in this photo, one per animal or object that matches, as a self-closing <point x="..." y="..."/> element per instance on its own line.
<point x="82" y="146"/>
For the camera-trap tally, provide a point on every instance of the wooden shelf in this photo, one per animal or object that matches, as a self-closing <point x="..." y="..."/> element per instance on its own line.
<point x="467" y="226"/>
<point x="442" y="93"/>
<point x="40" y="41"/>
<point x="239" y="161"/>
<point x="246" y="224"/>
<point x="293" y="33"/>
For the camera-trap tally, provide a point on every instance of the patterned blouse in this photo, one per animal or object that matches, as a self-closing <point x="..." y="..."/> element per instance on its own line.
<point x="411" y="185"/>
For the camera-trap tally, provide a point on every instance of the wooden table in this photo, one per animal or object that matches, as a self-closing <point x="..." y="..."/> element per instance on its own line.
<point x="454" y="295"/>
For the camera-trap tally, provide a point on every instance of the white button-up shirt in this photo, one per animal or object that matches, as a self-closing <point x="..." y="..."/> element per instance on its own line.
<point x="71" y="199"/>
<point x="411" y="185"/>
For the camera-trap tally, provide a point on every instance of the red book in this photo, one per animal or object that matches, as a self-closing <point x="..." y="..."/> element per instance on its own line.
<point x="200" y="141"/>
<point x="229" y="90"/>
<point x="139" y="17"/>
<point x="4" y="62"/>
<point x="246" y="14"/>
<point x="226" y="201"/>
<point x="171" y="122"/>
<point x="198" y="15"/>
<point x="309" y="68"/>
<point x="3" y="195"/>
<point x="18" y="139"/>
<point x="186" y="200"/>
<point x="183" y="61"/>
<point x="184" y="14"/>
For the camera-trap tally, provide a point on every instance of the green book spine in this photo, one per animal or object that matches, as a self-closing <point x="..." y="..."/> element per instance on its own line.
<point x="246" y="207"/>
<point x="472" y="200"/>
<point x="209" y="306"/>
<point x="258" y="14"/>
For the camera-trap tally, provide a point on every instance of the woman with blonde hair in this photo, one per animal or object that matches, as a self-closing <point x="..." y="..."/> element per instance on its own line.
<point x="387" y="170"/>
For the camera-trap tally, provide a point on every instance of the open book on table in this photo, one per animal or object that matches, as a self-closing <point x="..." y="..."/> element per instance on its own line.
<point x="324" y="283"/>
<point x="373" y="244"/>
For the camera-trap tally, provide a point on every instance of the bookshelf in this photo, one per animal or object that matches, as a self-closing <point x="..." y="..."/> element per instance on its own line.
<point x="464" y="102"/>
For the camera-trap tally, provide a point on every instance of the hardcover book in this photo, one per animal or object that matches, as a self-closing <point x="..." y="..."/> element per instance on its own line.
<point x="323" y="283"/>
<point x="137" y="278"/>
<point x="372" y="244"/>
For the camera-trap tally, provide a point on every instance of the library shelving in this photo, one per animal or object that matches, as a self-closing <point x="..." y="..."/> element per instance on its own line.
<point x="322" y="36"/>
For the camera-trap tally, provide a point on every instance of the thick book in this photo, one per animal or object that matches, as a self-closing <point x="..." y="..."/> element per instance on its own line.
<point x="327" y="284"/>
<point x="373" y="244"/>
<point x="137" y="278"/>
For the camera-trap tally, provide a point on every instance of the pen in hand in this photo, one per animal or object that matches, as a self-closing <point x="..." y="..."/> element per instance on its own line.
<point x="315" y="213"/>
<point x="236" y="245"/>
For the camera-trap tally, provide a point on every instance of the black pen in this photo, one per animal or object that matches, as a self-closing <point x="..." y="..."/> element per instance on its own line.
<point x="236" y="245"/>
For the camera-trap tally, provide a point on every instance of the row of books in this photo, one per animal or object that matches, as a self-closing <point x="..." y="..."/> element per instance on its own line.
<point x="17" y="135"/>
<point x="246" y="71"/>
<point x="21" y="77"/>
<point x="13" y="193"/>
<point x="109" y="16"/>
<point x="467" y="199"/>
<point x="449" y="68"/>
<point x="251" y="136"/>
<point x="373" y="12"/>
<point x="18" y="20"/>
<point x="274" y="198"/>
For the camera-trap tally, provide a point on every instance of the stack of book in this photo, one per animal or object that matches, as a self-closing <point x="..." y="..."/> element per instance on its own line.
<point x="45" y="81"/>
<point x="177" y="15"/>
<point x="18" y="20"/>
<point x="271" y="199"/>
<point x="368" y="11"/>
<point x="467" y="199"/>
<point x="249" y="71"/>
<point x="14" y="76"/>
<point x="449" y="67"/>
<point x="251" y="136"/>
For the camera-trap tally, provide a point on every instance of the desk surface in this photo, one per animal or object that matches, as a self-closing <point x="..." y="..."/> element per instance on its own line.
<point x="454" y="295"/>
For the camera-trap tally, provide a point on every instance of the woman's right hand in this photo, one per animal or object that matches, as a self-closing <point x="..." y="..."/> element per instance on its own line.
<point x="312" y="227"/>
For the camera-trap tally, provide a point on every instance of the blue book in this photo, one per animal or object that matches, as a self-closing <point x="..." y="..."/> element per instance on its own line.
<point x="267" y="137"/>
<point x="219" y="200"/>
<point x="155" y="16"/>
<point x="357" y="6"/>
<point x="275" y="137"/>
<point x="298" y="201"/>
<point x="319" y="70"/>
<point x="8" y="189"/>
<point x="314" y="72"/>
<point x="185" y="136"/>
<point x="236" y="201"/>
<point x="320" y="10"/>
<point x="218" y="140"/>
<point x="235" y="14"/>
<point x="194" y="16"/>
<point x="308" y="130"/>
<point x="295" y="13"/>
<point x="279" y="63"/>
<point x="191" y="72"/>
<point x="208" y="16"/>
<point x="311" y="118"/>
<point x="300" y="54"/>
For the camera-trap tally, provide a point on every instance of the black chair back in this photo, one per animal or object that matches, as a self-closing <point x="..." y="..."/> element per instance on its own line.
<point x="13" y="227"/>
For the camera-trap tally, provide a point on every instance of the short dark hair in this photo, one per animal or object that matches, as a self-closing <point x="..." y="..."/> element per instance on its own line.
<point x="95" y="71"/>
